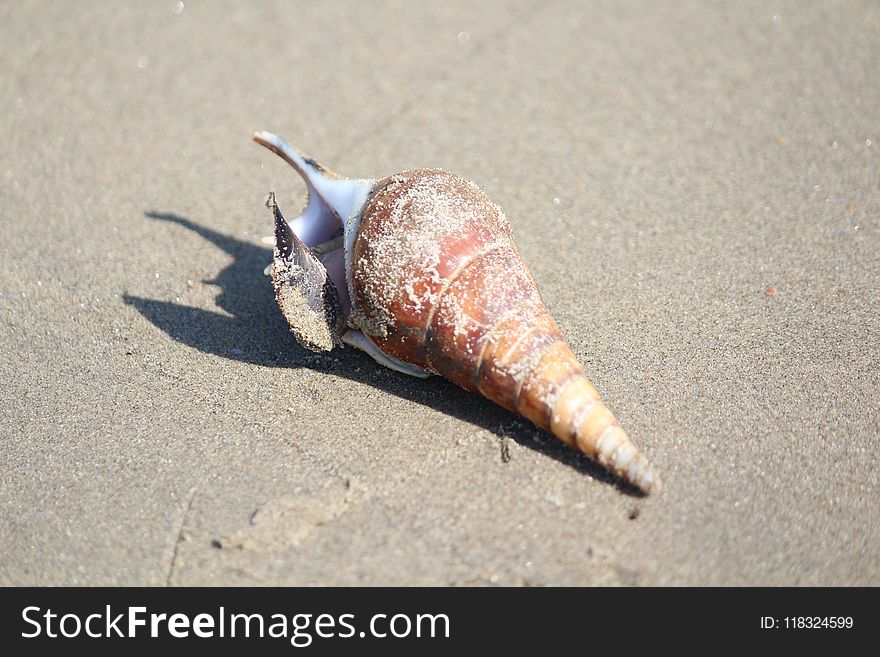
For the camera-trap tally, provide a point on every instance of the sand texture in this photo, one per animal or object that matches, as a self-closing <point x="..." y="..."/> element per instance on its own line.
<point x="694" y="186"/>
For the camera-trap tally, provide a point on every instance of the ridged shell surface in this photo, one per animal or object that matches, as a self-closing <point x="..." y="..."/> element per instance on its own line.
<point x="439" y="283"/>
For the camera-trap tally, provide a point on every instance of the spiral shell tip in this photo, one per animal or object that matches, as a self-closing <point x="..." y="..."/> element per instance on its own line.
<point x="646" y="480"/>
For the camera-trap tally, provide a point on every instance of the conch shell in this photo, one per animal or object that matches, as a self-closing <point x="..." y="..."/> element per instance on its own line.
<point x="420" y="270"/>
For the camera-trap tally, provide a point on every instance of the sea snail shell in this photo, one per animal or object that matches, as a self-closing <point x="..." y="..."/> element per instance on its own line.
<point x="420" y="271"/>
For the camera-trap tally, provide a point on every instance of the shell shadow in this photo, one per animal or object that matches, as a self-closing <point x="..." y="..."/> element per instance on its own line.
<point x="253" y="331"/>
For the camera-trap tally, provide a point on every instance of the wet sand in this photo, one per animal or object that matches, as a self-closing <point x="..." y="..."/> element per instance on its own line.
<point x="695" y="188"/>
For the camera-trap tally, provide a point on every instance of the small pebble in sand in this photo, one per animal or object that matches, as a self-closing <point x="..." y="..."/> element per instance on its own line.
<point x="771" y="291"/>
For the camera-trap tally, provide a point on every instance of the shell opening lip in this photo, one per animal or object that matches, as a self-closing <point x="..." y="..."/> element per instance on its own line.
<point x="283" y="235"/>
<point x="319" y="220"/>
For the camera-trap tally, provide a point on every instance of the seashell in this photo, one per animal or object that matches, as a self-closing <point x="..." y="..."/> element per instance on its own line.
<point x="420" y="271"/>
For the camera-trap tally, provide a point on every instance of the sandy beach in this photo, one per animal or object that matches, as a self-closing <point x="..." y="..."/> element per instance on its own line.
<point x="696" y="190"/>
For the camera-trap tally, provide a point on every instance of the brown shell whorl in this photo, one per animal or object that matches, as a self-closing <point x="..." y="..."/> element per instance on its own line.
<point x="420" y="231"/>
<point x="439" y="283"/>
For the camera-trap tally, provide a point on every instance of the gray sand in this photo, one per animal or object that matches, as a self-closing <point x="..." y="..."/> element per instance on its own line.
<point x="695" y="189"/>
